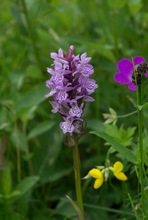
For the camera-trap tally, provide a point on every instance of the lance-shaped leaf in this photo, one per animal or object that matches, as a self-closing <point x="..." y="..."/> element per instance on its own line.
<point x="124" y="151"/>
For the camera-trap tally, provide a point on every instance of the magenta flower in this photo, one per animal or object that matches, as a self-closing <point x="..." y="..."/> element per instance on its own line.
<point x="70" y="86"/>
<point x="126" y="71"/>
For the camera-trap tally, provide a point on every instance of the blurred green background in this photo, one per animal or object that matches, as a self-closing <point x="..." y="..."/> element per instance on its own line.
<point x="36" y="168"/>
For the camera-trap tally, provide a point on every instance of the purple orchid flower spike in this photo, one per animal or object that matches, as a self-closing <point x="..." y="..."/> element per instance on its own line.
<point x="70" y="86"/>
<point x="126" y="70"/>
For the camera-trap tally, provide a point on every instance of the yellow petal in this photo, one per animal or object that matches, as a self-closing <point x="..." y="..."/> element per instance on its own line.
<point x="98" y="182"/>
<point x="121" y="176"/>
<point x="118" y="167"/>
<point x="95" y="173"/>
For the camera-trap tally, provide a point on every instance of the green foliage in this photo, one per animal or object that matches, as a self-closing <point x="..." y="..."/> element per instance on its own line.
<point x="77" y="209"/>
<point x="126" y="153"/>
<point x="26" y="184"/>
<point x="116" y="4"/>
<point x="40" y="128"/>
<point x="21" y="188"/>
<point x="135" y="6"/>
<point x="6" y="182"/>
<point x="36" y="170"/>
<point x="121" y="135"/>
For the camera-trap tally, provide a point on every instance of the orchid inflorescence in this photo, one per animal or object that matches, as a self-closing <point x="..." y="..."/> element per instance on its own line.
<point x="70" y="86"/>
<point x="101" y="173"/>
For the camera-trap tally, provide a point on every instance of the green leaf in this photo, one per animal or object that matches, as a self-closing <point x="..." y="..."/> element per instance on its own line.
<point x="11" y="215"/>
<point x="6" y="182"/>
<point x="18" y="139"/>
<point x="76" y="207"/>
<point x="55" y="176"/>
<point x="32" y="97"/>
<point x="12" y="197"/>
<point x="33" y="72"/>
<point x="145" y="105"/>
<point x="134" y="6"/>
<point x="102" y="50"/>
<point x="14" y="194"/>
<point x="121" y="135"/>
<point x="41" y="128"/>
<point x="26" y="184"/>
<point x="125" y="152"/>
<point x="140" y="107"/>
<point x="116" y="4"/>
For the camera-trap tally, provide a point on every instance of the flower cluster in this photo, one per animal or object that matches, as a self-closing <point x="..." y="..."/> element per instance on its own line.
<point x="101" y="174"/>
<point x="70" y="86"/>
<point x="130" y="72"/>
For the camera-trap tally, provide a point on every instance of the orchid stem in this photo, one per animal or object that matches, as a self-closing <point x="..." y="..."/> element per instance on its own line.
<point x="76" y="162"/>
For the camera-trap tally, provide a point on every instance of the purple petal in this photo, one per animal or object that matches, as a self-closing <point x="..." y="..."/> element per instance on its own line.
<point x="58" y="79"/>
<point x="62" y="60"/>
<point x="118" y="78"/>
<point x="82" y="80"/>
<point x="51" y="93"/>
<point x="53" y="55"/>
<point x="61" y="96"/>
<point x="87" y="70"/>
<point x="57" y="66"/>
<point x="75" y="111"/>
<point x="51" y="71"/>
<point x="88" y="99"/>
<point x="90" y="85"/>
<point x="84" y="58"/>
<point x="138" y="59"/>
<point x="71" y="47"/>
<point x="60" y="52"/>
<point x="146" y="75"/>
<point x="67" y="127"/>
<point x="125" y="66"/>
<point x="122" y="78"/>
<point x="55" y="106"/>
<point x="132" y="86"/>
<point x="49" y="83"/>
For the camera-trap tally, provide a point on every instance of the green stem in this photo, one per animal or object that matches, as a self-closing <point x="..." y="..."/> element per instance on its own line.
<point x="133" y="207"/>
<point x="30" y="166"/>
<point x="18" y="153"/>
<point x="114" y="28"/>
<point x="127" y="115"/>
<point x="76" y="162"/>
<point x="16" y="129"/>
<point x="32" y="35"/>
<point x="140" y="138"/>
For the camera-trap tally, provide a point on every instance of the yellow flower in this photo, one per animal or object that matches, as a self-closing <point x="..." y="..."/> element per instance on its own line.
<point x="97" y="174"/>
<point x="117" y="170"/>
<point x="101" y="174"/>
